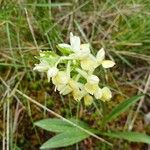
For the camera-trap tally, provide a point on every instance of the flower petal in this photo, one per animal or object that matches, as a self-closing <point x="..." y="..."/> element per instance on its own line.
<point x="93" y="79"/>
<point x="88" y="99"/>
<point x="60" y="78"/>
<point x="75" y="42"/>
<point x="100" y="55"/>
<point x="106" y="94"/>
<point x="108" y="63"/>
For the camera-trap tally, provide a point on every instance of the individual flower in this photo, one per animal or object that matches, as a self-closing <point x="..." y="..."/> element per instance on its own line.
<point x="91" y="62"/>
<point x="100" y="57"/>
<point x="60" y="79"/>
<point x="106" y="94"/>
<point x="88" y="99"/>
<point x="92" y="84"/>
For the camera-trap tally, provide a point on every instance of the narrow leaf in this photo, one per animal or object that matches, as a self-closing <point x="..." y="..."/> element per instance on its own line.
<point x="122" y="107"/>
<point x="130" y="136"/>
<point x="65" y="139"/>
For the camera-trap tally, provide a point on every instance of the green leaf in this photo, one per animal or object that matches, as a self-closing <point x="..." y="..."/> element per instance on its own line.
<point x="122" y="107"/>
<point x="65" y="139"/>
<point x="58" y="125"/>
<point x="54" y="125"/>
<point x="130" y="136"/>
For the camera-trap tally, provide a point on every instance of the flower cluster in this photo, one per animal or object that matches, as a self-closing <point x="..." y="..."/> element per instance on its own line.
<point x="73" y="72"/>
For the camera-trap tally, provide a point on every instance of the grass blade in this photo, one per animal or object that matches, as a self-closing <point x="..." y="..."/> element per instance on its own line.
<point x="122" y="107"/>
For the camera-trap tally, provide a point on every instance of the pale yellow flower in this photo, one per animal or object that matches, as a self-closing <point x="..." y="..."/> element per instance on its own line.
<point x="101" y="59"/>
<point x="106" y="94"/>
<point x="89" y="63"/>
<point x="88" y="99"/>
<point x="92" y="84"/>
<point x="61" y="78"/>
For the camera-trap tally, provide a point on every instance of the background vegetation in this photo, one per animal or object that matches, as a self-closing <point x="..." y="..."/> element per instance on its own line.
<point x="122" y="27"/>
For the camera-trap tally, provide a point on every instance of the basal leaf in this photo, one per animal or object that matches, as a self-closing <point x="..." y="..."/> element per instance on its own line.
<point x="58" y="125"/>
<point x="65" y="139"/>
<point x="53" y="125"/>
<point x="130" y="136"/>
